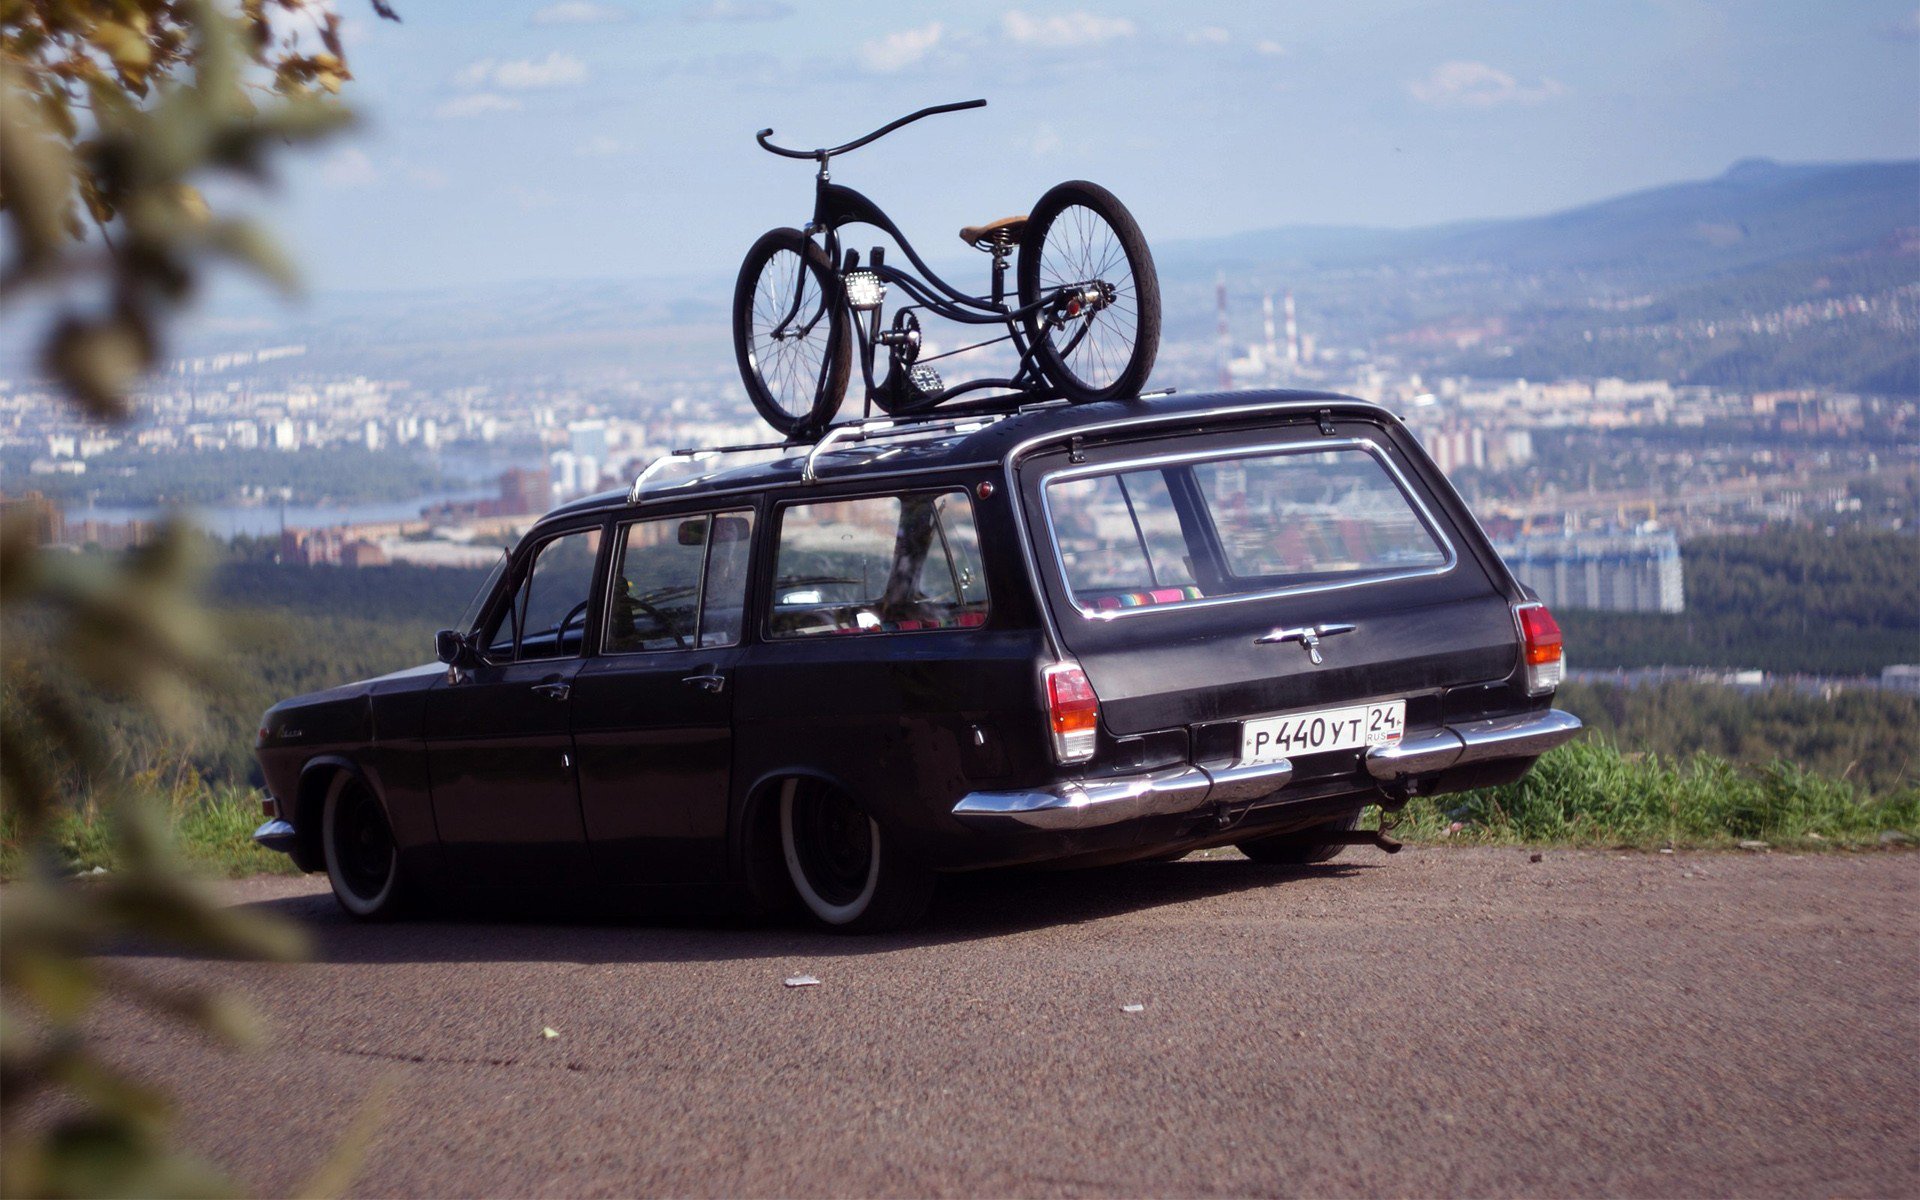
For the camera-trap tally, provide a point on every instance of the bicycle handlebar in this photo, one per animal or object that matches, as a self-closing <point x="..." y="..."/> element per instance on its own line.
<point x="881" y="132"/>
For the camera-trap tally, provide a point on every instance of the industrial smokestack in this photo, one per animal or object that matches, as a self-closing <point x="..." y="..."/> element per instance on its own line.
<point x="1293" y="335"/>
<point x="1225" y="348"/>
<point x="1269" y="359"/>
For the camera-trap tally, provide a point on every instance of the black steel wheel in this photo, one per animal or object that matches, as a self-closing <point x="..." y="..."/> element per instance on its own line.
<point x="1079" y="235"/>
<point x="790" y="333"/>
<point x="1298" y="848"/>
<point x="363" y="863"/>
<point x="839" y="863"/>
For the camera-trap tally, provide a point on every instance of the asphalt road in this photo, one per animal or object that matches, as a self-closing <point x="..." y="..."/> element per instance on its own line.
<point x="1447" y="1022"/>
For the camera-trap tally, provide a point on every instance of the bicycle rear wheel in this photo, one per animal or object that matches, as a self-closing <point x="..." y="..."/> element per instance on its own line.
<point x="1079" y="234"/>
<point x="790" y="334"/>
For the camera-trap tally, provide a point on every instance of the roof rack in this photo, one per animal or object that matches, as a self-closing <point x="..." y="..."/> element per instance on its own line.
<point x="836" y="437"/>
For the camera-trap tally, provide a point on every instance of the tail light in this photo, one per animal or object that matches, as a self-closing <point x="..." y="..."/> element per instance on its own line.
<point x="1073" y="712"/>
<point x="1540" y="640"/>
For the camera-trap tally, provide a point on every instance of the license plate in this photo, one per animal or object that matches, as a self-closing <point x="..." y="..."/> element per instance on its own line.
<point x="1271" y="739"/>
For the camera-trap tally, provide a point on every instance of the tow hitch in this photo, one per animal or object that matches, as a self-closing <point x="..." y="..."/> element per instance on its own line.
<point x="1364" y="837"/>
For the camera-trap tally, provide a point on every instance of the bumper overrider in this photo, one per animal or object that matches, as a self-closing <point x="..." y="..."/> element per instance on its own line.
<point x="1092" y="803"/>
<point x="277" y="835"/>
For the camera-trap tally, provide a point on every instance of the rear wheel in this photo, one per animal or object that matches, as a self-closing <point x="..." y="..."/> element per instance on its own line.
<point x="1299" y="847"/>
<point x="363" y="863"/>
<point x="790" y="334"/>
<point x="839" y="861"/>
<point x="1080" y="235"/>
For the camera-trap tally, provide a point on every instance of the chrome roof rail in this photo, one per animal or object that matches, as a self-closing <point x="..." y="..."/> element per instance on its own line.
<point x="692" y="455"/>
<point x="874" y="428"/>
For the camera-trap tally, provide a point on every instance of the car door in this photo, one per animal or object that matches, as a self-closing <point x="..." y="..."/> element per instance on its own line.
<point x="499" y="738"/>
<point x="653" y="711"/>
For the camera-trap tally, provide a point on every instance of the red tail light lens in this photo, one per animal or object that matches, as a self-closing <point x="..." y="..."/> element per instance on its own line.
<point x="1073" y="712"/>
<point x="1540" y="637"/>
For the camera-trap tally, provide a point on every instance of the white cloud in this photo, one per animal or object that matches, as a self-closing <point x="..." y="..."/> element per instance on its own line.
<point x="1269" y="47"/>
<point x="424" y="177"/>
<point x="900" y="50"/>
<point x="1062" y="30"/>
<point x="478" y="104"/>
<point x="579" y="12"/>
<point x="599" y="146"/>
<point x="1904" y="28"/>
<point x="556" y="70"/>
<point x="1045" y="142"/>
<point x="1477" y="85"/>
<point x="348" y="167"/>
<point x="738" y="10"/>
<point x="1209" y="35"/>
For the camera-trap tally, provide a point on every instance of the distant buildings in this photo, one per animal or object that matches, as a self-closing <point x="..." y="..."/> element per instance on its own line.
<point x="1636" y="573"/>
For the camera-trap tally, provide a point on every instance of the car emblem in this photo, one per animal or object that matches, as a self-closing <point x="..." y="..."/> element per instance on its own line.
<point x="1307" y="635"/>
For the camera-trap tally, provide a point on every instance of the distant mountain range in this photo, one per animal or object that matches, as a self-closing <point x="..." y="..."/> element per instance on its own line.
<point x="1769" y="275"/>
<point x="1758" y="213"/>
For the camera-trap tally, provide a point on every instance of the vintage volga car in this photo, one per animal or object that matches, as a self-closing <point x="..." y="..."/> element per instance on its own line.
<point x="1073" y="634"/>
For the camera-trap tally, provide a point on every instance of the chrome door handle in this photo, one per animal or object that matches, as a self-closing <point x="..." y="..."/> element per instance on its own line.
<point x="707" y="683"/>
<point x="1307" y="635"/>
<point x="553" y="691"/>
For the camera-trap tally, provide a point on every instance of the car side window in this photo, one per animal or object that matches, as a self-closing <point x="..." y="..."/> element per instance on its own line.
<point x="547" y="617"/>
<point x="679" y="582"/>
<point x="883" y="564"/>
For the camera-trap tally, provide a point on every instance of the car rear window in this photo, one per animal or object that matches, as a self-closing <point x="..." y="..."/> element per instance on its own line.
<point x="1235" y="524"/>
<point x="881" y="564"/>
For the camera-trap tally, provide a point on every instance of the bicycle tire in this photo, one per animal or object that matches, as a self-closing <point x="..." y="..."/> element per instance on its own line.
<point x="1113" y="358"/>
<point x="784" y="381"/>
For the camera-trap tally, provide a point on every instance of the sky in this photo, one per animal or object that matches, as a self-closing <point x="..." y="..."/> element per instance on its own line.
<point x="612" y="139"/>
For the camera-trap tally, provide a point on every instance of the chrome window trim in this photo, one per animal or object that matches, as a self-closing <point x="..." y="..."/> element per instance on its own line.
<point x="617" y="555"/>
<point x="1365" y="445"/>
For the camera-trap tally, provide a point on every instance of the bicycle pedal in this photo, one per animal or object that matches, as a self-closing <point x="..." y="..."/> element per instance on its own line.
<point x="925" y="380"/>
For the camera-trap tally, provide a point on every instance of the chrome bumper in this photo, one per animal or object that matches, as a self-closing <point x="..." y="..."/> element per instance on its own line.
<point x="277" y="835"/>
<point x="1090" y="803"/>
<point x="1526" y="736"/>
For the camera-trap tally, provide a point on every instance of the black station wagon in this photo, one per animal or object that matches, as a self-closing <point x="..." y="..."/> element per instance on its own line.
<point x="1068" y="634"/>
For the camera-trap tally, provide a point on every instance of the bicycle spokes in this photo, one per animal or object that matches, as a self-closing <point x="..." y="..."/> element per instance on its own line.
<point x="789" y="338"/>
<point x="1096" y="324"/>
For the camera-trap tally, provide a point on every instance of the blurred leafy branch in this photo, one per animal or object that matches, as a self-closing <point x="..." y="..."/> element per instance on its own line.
<point x="112" y="113"/>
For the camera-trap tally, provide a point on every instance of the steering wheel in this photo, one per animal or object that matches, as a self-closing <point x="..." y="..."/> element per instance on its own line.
<point x="659" y="618"/>
<point x="578" y="611"/>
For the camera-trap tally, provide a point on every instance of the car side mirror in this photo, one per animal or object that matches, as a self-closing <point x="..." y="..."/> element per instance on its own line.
<point x="450" y="647"/>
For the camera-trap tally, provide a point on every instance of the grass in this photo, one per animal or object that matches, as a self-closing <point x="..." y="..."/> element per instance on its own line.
<point x="213" y="833"/>
<point x="1589" y="793"/>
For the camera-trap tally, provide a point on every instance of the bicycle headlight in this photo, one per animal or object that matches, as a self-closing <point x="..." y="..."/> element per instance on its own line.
<point x="865" y="290"/>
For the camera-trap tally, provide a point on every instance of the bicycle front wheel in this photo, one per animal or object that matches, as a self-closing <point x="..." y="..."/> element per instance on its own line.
<point x="1080" y="236"/>
<point x="790" y="333"/>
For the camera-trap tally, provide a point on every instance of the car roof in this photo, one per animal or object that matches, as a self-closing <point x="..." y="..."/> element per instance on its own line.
<point x="886" y="447"/>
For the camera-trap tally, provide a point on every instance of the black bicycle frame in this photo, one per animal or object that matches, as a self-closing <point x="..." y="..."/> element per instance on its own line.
<point x="835" y="206"/>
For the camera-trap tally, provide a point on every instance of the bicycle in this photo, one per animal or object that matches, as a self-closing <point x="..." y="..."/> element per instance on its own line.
<point x="1084" y="317"/>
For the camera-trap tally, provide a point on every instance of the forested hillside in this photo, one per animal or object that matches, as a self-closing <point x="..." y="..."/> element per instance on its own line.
<point x="1789" y="601"/>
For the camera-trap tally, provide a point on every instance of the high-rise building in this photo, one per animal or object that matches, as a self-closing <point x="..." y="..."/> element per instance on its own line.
<point x="1638" y="573"/>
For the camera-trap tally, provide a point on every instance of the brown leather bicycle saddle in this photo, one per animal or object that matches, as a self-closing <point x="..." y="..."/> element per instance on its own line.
<point x="981" y="237"/>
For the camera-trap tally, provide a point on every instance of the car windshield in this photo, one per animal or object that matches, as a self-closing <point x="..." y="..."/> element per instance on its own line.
<point x="1231" y="525"/>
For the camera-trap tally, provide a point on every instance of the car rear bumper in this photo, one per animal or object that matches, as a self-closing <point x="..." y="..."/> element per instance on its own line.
<point x="1083" y="804"/>
<point x="1528" y="735"/>
<point x="277" y="835"/>
<point x="1091" y="803"/>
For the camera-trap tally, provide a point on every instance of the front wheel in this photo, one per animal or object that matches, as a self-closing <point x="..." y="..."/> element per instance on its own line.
<point x="363" y="863"/>
<point x="790" y="333"/>
<point x="1100" y="345"/>
<point x="839" y="862"/>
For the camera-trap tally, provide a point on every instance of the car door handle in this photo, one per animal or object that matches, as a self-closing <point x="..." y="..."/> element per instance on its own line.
<point x="554" y="691"/>
<point x="707" y="683"/>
